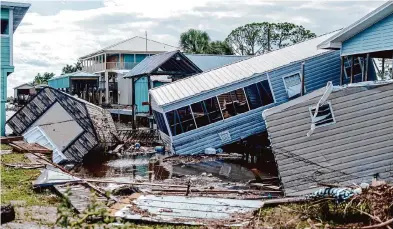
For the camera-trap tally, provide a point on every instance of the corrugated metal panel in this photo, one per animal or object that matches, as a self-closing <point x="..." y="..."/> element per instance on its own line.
<point x="220" y="77"/>
<point x="318" y="70"/>
<point x="151" y="63"/>
<point x="354" y="149"/>
<point x="378" y="37"/>
<point x="209" y="62"/>
<point x="191" y="210"/>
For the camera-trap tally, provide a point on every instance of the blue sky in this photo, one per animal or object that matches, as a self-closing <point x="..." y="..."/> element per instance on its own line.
<point x="56" y="33"/>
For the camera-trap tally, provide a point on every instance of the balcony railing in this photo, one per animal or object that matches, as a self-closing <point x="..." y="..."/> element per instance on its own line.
<point x="109" y="66"/>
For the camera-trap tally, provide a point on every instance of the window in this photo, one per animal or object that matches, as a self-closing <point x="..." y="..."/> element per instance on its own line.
<point x="324" y="116"/>
<point x="160" y="122"/>
<point x="233" y="103"/>
<point x="180" y="120"/>
<point x="293" y="85"/>
<point x="206" y="112"/>
<point x="4" y="26"/>
<point x="259" y="94"/>
<point x="357" y="68"/>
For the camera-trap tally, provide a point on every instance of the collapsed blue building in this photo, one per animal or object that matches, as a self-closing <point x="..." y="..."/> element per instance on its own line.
<point x="224" y="105"/>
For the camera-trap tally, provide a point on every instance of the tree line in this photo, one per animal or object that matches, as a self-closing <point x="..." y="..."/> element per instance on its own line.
<point x="249" y="39"/>
<point x="46" y="76"/>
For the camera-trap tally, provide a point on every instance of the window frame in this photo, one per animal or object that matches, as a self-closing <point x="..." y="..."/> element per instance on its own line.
<point x="286" y="87"/>
<point x="310" y="108"/>
<point x="8" y="28"/>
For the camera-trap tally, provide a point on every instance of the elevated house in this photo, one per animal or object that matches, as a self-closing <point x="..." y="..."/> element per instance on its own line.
<point x="70" y="126"/>
<point x="82" y="84"/>
<point x="168" y="67"/>
<point x="12" y="14"/>
<point x="24" y="92"/>
<point x="347" y="140"/>
<point x="223" y="105"/>
<point x="114" y="61"/>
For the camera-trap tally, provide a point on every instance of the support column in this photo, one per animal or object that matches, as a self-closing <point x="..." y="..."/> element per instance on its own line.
<point x="302" y="91"/>
<point x="352" y="64"/>
<point x="366" y="70"/>
<point x="106" y="87"/>
<point x="342" y="71"/>
<point x="133" y="103"/>
<point x="383" y="68"/>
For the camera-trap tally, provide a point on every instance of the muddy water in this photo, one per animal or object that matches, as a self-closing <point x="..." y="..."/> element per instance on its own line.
<point x="128" y="168"/>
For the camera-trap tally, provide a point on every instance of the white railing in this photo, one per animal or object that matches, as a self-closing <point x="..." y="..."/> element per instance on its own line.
<point x="109" y="66"/>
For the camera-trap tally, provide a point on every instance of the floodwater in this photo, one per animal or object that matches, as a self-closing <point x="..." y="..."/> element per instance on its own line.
<point x="8" y="115"/>
<point x="142" y="167"/>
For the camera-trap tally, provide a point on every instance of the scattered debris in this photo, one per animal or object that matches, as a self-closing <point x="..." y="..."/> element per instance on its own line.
<point x="9" y="139"/>
<point x="24" y="147"/>
<point x="7" y="213"/>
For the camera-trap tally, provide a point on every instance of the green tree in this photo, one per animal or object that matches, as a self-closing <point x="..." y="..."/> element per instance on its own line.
<point x="220" y="47"/>
<point x="258" y="38"/>
<point x="195" y="41"/>
<point x="43" y="79"/>
<point x="72" y="68"/>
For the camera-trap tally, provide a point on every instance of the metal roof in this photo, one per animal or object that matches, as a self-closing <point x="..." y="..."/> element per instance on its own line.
<point x="19" y="8"/>
<point x="152" y="64"/>
<point x="190" y="210"/>
<point x="206" y="81"/>
<point x="75" y="74"/>
<point x="370" y="19"/>
<point x="208" y="62"/>
<point x="136" y="44"/>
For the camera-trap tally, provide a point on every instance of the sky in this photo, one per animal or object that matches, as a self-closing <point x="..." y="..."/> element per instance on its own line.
<point x="55" y="33"/>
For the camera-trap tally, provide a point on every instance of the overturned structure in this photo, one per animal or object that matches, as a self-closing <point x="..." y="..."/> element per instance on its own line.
<point x="72" y="127"/>
<point x="335" y="135"/>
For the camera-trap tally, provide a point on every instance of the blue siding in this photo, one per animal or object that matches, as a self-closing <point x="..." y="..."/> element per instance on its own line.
<point x="63" y="82"/>
<point x="141" y="95"/>
<point x="140" y="57"/>
<point x="318" y="71"/>
<point x="378" y="37"/>
<point x="128" y="58"/>
<point x="5" y="13"/>
<point x="5" y="51"/>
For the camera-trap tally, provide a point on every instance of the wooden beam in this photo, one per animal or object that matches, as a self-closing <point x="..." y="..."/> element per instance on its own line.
<point x="342" y="71"/>
<point x="366" y="68"/>
<point x="352" y="61"/>
<point x="133" y="103"/>
<point x="302" y="79"/>
<point x="383" y="68"/>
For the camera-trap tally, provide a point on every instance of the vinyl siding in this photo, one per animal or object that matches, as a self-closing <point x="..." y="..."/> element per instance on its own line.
<point x="63" y="82"/>
<point x="378" y="37"/>
<point x="5" y="51"/>
<point x="354" y="149"/>
<point x="5" y="13"/>
<point x="318" y="71"/>
<point x="141" y="95"/>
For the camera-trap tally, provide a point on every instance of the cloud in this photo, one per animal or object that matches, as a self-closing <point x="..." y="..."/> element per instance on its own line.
<point x="54" y="33"/>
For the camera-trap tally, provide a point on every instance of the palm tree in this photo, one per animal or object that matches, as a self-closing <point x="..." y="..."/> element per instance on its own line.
<point x="195" y="41"/>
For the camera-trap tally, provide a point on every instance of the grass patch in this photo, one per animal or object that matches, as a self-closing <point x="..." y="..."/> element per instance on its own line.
<point x="16" y="184"/>
<point x="5" y="147"/>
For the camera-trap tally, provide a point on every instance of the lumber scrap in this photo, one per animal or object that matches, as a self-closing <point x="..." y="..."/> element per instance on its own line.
<point x="24" y="147"/>
<point x="7" y="140"/>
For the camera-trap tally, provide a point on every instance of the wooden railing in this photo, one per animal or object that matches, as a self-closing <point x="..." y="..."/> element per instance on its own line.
<point x="109" y="66"/>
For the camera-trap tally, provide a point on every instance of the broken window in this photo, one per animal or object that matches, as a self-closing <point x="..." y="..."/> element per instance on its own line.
<point x="259" y="94"/>
<point x="233" y="103"/>
<point x="206" y="112"/>
<point x="324" y="116"/>
<point x="159" y="118"/>
<point x="293" y="85"/>
<point x="4" y="26"/>
<point x="180" y="120"/>
<point x="358" y="63"/>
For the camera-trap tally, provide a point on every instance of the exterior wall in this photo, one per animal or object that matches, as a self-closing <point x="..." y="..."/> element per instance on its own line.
<point x="141" y="95"/>
<point x="124" y="87"/>
<point x="6" y="67"/>
<point x="378" y="37"/>
<point x="352" y="150"/>
<point x="63" y="82"/>
<point x="318" y="71"/>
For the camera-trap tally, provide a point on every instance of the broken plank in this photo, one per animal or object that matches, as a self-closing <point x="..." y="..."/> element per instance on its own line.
<point x="22" y="147"/>
<point x="9" y="139"/>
